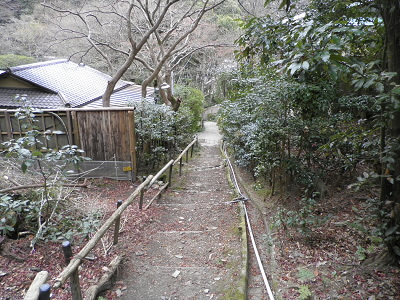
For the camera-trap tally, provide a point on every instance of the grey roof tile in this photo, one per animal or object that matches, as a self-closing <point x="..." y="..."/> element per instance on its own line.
<point x="36" y="98"/>
<point x="60" y="82"/>
<point x="122" y="98"/>
<point x="79" y="84"/>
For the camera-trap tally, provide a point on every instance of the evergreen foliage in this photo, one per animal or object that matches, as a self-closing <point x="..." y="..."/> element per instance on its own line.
<point x="161" y="133"/>
<point x="315" y="99"/>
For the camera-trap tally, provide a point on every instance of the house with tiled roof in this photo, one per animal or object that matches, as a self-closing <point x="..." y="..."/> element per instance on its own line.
<point x="63" y="83"/>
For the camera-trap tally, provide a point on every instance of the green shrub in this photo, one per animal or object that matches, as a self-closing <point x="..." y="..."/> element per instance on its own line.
<point x="192" y="104"/>
<point x="12" y="60"/>
<point x="161" y="132"/>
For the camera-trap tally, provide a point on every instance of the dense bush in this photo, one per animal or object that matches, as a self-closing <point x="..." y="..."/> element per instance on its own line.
<point x="296" y="131"/>
<point x="161" y="132"/>
<point x="192" y="105"/>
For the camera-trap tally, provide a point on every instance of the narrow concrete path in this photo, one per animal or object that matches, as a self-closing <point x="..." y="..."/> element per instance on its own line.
<point x="196" y="251"/>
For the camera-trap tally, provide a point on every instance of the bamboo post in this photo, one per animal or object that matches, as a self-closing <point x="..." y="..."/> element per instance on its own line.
<point x="117" y="224"/>
<point x="74" y="278"/>
<point x="44" y="292"/>
<point x="76" y="132"/>
<point x="8" y="125"/>
<point x="69" y="126"/>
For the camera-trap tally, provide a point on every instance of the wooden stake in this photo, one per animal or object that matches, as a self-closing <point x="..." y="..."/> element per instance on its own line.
<point x="74" y="264"/>
<point x="141" y="199"/>
<point x="74" y="277"/>
<point x="170" y="175"/>
<point x="117" y="224"/>
<point x="44" y="292"/>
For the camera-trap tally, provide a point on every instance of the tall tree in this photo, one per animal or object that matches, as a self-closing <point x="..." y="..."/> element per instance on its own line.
<point x="165" y="25"/>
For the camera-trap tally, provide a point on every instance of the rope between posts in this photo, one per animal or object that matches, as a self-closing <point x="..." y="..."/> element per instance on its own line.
<point x="243" y="199"/>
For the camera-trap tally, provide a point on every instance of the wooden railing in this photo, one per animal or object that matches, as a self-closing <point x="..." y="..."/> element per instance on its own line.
<point x="39" y="287"/>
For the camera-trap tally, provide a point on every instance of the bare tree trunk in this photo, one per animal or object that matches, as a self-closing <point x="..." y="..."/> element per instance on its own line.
<point x="117" y="76"/>
<point x="390" y="10"/>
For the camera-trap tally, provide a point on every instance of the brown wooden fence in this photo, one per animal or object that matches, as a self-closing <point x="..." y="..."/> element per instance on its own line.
<point x="105" y="134"/>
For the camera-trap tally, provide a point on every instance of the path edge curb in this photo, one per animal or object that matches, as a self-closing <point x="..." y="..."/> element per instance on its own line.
<point x="243" y="281"/>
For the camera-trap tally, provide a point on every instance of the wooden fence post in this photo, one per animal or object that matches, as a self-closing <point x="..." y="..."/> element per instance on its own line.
<point x="170" y="175"/>
<point x="191" y="151"/>
<point x="75" y="261"/>
<point x="187" y="156"/>
<point x="74" y="278"/>
<point x="117" y="224"/>
<point x="44" y="292"/>
<point x="141" y="199"/>
<point x="141" y="195"/>
<point x="180" y="166"/>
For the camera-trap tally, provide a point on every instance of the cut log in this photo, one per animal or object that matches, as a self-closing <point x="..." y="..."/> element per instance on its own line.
<point x="105" y="281"/>
<point x="34" y="289"/>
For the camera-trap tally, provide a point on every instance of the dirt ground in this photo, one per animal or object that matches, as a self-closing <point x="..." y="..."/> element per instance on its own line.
<point x="331" y="260"/>
<point x="180" y="247"/>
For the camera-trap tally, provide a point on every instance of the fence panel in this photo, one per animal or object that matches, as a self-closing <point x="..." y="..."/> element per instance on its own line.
<point x="105" y="134"/>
